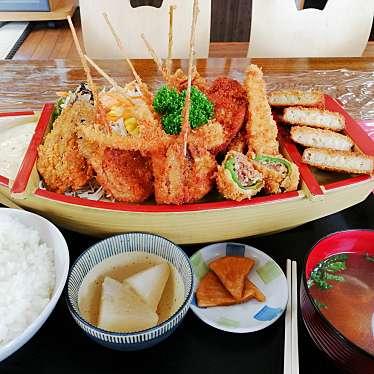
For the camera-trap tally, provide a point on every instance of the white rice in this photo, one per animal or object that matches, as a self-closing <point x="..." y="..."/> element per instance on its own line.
<point x="27" y="277"/>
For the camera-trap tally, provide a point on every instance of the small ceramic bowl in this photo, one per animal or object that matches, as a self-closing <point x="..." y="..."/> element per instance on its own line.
<point x="50" y="235"/>
<point x="130" y="242"/>
<point x="340" y="349"/>
<point x="252" y="315"/>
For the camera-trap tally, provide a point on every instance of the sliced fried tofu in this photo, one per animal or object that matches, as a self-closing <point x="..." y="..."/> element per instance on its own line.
<point x="259" y="296"/>
<point x="149" y="284"/>
<point x="211" y="292"/>
<point x="286" y="98"/>
<point x="313" y="117"/>
<point x="318" y="138"/>
<point x="232" y="272"/>
<point x="122" y="310"/>
<point x="340" y="161"/>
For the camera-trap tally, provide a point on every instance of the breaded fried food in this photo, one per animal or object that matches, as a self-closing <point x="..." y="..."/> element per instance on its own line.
<point x="124" y="175"/>
<point x="232" y="272"/>
<point x="230" y="106"/>
<point x="60" y="163"/>
<point x="259" y="296"/>
<point x="181" y="179"/>
<point x="237" y="179"/>
<point x="261" y="128"/>
<point x="340" y="161"/>
<point x="287" y="98"/>
<point x="313" y="117"/>
<point x="211" y="292"/>
<point x="209" y="136"/>
<point x="239" y="143"/>
<point x="279" y="174"/>
<point x="318" y="138"/>
<point x="179" y="81"/>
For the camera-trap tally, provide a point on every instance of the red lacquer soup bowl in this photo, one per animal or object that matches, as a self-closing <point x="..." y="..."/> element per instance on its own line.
<point x="347" y="353"/>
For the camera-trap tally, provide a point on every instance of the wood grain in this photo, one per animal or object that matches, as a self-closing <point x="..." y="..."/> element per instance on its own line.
<point x="29" y="84"/>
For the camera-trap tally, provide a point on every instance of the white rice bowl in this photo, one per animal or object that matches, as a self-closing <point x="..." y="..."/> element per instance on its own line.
<point x="34" y="263"/>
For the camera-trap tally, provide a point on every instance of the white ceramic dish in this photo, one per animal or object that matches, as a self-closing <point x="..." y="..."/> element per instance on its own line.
<point x="252" y="315"/>
<point x="50" y="234"/>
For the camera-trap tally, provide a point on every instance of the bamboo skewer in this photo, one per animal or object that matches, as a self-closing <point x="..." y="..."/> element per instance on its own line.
<point x="191" y="58"/>
<point x="170" y="40"/>
<point x="90" y="82"/>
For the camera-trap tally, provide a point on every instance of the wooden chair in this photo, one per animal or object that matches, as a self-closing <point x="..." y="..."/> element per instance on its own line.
<point x="130" y="22"/>
<point x="279" y="29"/>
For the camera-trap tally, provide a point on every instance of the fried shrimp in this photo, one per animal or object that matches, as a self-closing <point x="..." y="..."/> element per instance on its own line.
<point x="237" y="179"/>
<point x="230" y="107"/>
<point x="59" y="161"/>
<point x="181" y="179"/>
<point x="261" y="128"/>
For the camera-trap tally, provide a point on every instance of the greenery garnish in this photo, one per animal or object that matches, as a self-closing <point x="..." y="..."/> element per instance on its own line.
<point x="57" y="109"/>
<point x="320" y="305"/>
<point x="369" y="258"/>
<point x="325" y="270"/>
<point x="169" y="104"/>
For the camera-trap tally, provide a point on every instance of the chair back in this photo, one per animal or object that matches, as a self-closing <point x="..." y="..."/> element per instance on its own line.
<point x="279" y="29"/>
<point x="130" y="22"/>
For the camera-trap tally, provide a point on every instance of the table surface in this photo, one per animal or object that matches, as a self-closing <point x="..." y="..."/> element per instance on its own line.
<point x="61" y="347"/>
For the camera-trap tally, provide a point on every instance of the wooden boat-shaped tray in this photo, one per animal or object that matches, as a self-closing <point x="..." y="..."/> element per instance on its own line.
<point x="214" y="219"/>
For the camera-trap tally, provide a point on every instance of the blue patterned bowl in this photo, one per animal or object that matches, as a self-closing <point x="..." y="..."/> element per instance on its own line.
<point x="130" y="242"/>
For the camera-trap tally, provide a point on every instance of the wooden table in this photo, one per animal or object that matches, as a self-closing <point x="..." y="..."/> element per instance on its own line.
<point x="29" y="84"/>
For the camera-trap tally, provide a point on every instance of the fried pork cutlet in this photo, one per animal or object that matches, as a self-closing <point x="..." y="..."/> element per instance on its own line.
<point x="287" y="98"/>
<point x="314" y="118"/>
<point x="211" y="292"/>
<point x="237" y="179"/>
<point x="279" y="174"/>
<point x="317" y="138"/>
<point x="124" y="175"/>
<point x="59" y="162"/>
<point x="340" y="161"/>
<point x="181" y="179"/>
<point x="230" y="106"/>
<point x="261" y="128"/>
<point x="232" y="272"/>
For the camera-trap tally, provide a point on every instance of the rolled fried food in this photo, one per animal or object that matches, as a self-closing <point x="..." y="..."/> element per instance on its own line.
<point x="180" y="179"/>
<point x="318" y="138"/>
<point x="59" y="161"/>
<point x="261" y="128"/>
<point x="237" y="179"/>
<point x="279" y="174"/>
<point x="314" y="118"/>
<point x="287" y="98"/>
<point x="340" y="161"/>
<point x="230" y="107"/>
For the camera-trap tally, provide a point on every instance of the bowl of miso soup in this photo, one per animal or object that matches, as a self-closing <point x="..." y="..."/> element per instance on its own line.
<point x="337" y="298"/>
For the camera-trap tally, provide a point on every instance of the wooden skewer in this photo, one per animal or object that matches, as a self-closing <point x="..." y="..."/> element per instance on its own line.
<point x="90" y="82"/>
<point x="155" y="58"/>
<point x="170" y="40"/>
<point x="191" y="57"/>
<point x="122" y="49"/>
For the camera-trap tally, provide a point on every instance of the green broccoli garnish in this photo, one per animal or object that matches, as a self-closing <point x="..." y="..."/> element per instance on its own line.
<point x="169" y="104"/>
<point x="57" y="109"/>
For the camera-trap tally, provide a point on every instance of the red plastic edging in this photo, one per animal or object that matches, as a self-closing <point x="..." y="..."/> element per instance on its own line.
<point x="28" y="162"/>
<point x="16" y="114"/>
<point x="4" y="181"/>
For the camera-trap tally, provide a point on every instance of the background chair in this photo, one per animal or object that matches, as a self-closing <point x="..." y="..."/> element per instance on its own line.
<point x="279" y="29"/>
<point x="130" y="22"/>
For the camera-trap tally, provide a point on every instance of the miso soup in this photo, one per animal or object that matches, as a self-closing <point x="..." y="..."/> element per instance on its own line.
<point x="343" y="288"/>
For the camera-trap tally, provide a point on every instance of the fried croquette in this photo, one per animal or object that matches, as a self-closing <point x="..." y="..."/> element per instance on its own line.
<point x="261" y="128"/>
<point x="230" y="107"/>
<point x="287" y="98"/>
<point x="237" y="179"/>
<point x="60" y="163"/>
<point x="318" y="138"/>
<point x="340" y="161"/>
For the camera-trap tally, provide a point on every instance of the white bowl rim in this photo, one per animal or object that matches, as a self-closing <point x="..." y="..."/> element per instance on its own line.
<point x="15" y="344"/>
<point x="187" y="299"/>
